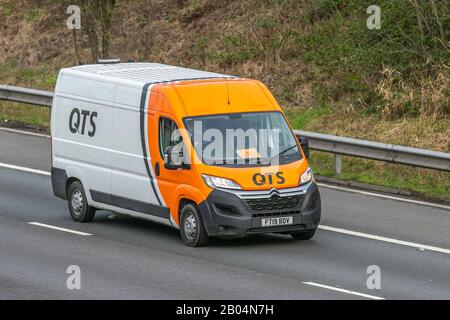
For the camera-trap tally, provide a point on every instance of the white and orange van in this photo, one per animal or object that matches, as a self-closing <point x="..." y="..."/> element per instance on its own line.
<point x="206" y="153"/>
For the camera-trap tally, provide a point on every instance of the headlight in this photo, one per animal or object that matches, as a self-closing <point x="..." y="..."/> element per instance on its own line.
<point x="216" y="182"/>
<point x="307" y="176"/>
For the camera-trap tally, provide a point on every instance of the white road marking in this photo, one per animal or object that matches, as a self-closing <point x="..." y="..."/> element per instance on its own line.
<point x="390" y="240"/>
<point x="60" y="229"/>
<point x="26" y="132"/>
<point x="430" y="204"/>
<point x="343" y="231"/>
<point x="343" y="290"/>
<point x="379" y="195"/>
<point x="25" y="169"/>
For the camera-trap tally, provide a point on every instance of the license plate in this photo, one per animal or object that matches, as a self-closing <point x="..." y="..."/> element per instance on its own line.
<point x="278" y="221"/>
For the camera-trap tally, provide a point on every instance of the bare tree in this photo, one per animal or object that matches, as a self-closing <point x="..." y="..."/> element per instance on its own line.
<point x="90" y="14"/>
<point x="97" y="24"/>
<point x="75" y="46"/>
<point x="106" y="8"/>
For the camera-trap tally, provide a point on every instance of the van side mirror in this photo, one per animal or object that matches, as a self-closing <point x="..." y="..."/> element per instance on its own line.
<point x="173" y="158"/>
<point x="304" y="143"/>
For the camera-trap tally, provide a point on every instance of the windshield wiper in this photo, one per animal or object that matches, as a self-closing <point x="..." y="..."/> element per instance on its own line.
<point x="284" y="151"/>
<point x="236" y="161"/>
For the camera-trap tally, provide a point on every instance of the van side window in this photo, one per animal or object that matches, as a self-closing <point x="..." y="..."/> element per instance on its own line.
<point x="166" y="129"/>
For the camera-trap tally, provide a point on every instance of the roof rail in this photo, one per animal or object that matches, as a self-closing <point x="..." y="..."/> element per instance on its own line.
<point x="108" y="61"/>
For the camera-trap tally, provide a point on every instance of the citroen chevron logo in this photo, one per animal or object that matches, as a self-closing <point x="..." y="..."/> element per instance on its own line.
<point x="274" y="192"/>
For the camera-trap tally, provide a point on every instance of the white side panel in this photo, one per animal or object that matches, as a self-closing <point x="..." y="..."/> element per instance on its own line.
<point x="82" y="138"/>
<point x="130" y="178"/>
<point x="87" y="88"/>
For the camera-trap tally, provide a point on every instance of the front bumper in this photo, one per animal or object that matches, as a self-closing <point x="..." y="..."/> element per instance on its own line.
<point x="237" y="213"/>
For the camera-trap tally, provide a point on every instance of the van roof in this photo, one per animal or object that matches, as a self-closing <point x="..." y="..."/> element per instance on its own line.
<point x="218" y="96"/>
<point x="140" y="73"/>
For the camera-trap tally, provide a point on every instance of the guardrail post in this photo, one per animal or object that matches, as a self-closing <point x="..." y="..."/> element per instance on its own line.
<point x="337" y="163"/>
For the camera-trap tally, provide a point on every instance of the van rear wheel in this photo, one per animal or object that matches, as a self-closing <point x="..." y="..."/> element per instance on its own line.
<point x="79" y="209"/>
<point x="192" y="229"/>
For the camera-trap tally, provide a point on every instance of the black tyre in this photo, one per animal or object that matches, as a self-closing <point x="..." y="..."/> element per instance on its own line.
<point x="303" y="235"/>
<point x="79" y="209"/>
<point x="192" y="229"/>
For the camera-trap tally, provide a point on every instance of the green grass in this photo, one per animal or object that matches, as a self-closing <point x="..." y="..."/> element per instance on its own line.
<point x="349" y="59"/>
<point x="27" y="114"/>
<point x="41" y="76"/>
<point x="428" y="183"/>
<point x="299" y="120"/>
<point x="32" y="15"/>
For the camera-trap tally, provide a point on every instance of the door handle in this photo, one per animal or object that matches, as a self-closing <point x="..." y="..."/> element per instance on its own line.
<point x="157" y="168"/>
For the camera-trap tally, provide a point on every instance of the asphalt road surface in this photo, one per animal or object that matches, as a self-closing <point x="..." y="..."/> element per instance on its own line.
<point x="124" y="258"/>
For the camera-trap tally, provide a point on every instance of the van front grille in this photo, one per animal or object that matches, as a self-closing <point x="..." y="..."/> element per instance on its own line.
<point x="274" y="203"/>
<point x="275" y="214"/>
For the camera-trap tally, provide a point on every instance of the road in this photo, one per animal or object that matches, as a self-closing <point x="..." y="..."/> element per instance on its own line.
<point x="124" y="258"/>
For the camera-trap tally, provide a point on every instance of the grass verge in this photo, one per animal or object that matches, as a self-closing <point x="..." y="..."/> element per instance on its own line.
<point x="424" y="183"/>
<point x="11" y="112"/>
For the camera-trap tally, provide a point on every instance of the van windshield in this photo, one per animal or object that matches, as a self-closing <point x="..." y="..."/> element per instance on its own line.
<point x="243" y="139"/>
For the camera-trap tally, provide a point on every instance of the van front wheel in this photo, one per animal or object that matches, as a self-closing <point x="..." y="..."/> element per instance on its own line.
<point x="192" y="230"/>
<point x="79" y="209"/>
